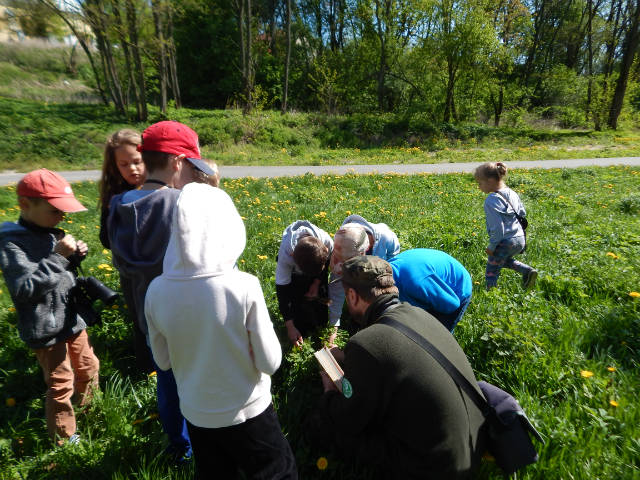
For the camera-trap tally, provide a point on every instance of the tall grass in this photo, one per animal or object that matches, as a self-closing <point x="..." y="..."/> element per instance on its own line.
<point x="568" y="350"/>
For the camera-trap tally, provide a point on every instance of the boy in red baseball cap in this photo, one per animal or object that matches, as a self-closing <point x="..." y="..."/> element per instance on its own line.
<point x="37" y="260"/>
<point x="139" y="227"/>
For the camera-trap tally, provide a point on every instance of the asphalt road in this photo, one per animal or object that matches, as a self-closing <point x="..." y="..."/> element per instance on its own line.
<point x="289" y="171"/>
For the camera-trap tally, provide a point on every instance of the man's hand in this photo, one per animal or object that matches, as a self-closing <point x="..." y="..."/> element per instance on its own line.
<point x="331" y="342"/>
<point x="294" y="334"/>
<point x="337" y="354"/>
<point x="66" y="246"/>
<point x="489" y="252"/>
<point x="327" y="384"/>
<point x="81" y="248"/>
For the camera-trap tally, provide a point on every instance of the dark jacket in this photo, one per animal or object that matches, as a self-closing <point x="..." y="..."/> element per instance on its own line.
<point x="39" y="282"/>
<point x="139" y="233"/>
<point x="406" y="415"/>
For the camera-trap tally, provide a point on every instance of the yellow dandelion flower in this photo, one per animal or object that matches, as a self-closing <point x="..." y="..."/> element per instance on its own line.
<point x="613" y="403"/>
<point x="153" y="374"/>
<point x="105" y="251"/>
<point x="634" y="294"/>
<point x="69" y="221"/>
<point x="611" y="369"/>
<point x="10" y="402"/>
<point x="283" y="150"/>
<point x="322" y="463"/>
<point x="586" y="373"/>
<point x="115" y="307"/>
<point x="263" y="257"/>
<point x="12" y="309"/>
<point x="612" y="255"/>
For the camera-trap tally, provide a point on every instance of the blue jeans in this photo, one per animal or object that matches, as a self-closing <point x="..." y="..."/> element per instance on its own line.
<point x="450" y="320"/>
<point x="503" y="258"/>
<point x="173" y="423"/>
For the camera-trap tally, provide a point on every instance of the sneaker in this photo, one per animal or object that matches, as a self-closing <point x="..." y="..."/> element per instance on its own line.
<point x="74" y="439"/>
<point x="529" y="279"/>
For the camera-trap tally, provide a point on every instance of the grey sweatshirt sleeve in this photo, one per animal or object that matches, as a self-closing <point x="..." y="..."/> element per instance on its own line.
<point x="27" y="280"/>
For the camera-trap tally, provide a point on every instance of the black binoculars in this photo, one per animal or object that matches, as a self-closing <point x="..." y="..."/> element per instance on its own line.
<point x="86" y="291"/>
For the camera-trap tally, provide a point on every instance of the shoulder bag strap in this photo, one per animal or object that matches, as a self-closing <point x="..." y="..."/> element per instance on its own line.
<point x="450" y="368"/>
<point x="518" y="216"/>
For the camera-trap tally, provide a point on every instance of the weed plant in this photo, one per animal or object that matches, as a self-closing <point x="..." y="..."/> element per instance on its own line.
<point x="568" y="349"/>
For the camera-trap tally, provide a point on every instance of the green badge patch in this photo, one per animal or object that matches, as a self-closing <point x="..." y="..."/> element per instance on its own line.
<point x="347" y="389"/>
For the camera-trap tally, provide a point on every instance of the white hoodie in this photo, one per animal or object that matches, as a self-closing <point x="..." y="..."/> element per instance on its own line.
<point x="207" y="320"/>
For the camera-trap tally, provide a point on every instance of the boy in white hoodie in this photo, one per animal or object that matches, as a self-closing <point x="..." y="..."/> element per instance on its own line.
<point x="209" y="322"/>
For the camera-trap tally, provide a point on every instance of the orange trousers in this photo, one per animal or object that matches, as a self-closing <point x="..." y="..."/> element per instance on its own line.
<point x="69" y="368"/>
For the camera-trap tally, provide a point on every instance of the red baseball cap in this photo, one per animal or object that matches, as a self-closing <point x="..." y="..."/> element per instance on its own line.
<point x="174" y="137"/>
<point x="52" y="187"/>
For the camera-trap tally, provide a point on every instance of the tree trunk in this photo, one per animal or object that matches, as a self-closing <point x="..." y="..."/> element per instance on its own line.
<point x="173" y="68"/>
<point x="124" y="43"/>
<point x="81" y="39"/>
<point x="137" y="58"/>
<point x="248" y="81"/>
<point x="629" y="49"/>
<point x="449" y="107"/>
<point x="285" y="91"/>
<point x="157" y="7"/>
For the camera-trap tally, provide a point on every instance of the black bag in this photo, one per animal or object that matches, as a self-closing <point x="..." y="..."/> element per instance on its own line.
<point x="508" y="427"/>
<point x="508" y="430"/>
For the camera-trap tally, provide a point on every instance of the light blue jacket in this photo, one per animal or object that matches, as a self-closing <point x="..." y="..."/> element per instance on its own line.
<point x="500" y="217"/>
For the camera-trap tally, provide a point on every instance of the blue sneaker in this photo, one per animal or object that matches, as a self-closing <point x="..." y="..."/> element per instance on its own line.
<point x="74" y="439"/>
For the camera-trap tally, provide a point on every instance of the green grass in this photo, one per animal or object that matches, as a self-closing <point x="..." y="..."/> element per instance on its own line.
<point x="584" y="239"/>
<point x="70" y="136"/>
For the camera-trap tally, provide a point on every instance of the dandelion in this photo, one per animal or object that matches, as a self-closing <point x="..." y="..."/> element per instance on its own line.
<point x="611" y="369"/>
<point x="153" y="374"/>
<point x="322" y="463"/>
<point x="283" y="150"/>
<point x="586" y="373"/>
<point x="12" y="309"/>
<point x="634" y="294"/>
<point x="612" y="255"/>
<point x="263" y="257"/>
<point x="105" y="251"/>
<point x="613" y="403"/>
<point x="114" y="307"/>
<point x="10" y="402"/>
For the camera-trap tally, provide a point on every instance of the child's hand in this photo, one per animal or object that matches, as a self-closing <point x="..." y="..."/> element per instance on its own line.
<point x="489" y="252"/>
<point x="66" y="246"/>
<point x="294" y="334"/>
<point x="82" y="248"/>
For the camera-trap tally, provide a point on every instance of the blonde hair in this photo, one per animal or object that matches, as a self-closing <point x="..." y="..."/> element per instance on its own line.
<point x="111" y="181"/>
<point x="213" y="180"/>
<point x="353" y="240"/>
<point x="497" y="171"/>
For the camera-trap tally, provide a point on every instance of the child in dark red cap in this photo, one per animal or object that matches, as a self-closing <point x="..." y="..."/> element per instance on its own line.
<point x="139" y="227"/>
<point x="37" y="260"/>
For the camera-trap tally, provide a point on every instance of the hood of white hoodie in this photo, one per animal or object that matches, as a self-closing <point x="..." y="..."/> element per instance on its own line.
<point x="207" y="233"/>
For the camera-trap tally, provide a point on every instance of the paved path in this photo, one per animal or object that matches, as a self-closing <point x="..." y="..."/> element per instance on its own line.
<point x="286" y="171"/>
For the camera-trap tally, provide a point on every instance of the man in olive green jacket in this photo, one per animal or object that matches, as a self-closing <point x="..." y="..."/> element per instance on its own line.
<point x="399" y="410"/>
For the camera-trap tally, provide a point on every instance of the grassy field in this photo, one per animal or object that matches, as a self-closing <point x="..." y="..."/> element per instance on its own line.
<point x="64" y="136"/>
<point x="568" y="350"/>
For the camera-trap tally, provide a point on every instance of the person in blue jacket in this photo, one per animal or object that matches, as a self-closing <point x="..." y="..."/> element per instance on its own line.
<point x="434" y="281"/>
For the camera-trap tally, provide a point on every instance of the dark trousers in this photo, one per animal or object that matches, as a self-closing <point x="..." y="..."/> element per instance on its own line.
<point x="257" y="447"/>
<point x="308" y="315"/>
<point x="450" y="320"/>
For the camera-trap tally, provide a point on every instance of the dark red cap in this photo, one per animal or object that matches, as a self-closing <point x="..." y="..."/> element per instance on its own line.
<point x="52" y="187"/>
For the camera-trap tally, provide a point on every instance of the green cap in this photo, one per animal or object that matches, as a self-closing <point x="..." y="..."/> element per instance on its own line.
<point x="367" y="271"/>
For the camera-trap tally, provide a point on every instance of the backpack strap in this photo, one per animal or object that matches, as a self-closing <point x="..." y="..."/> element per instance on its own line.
<point x="449" y="367"/>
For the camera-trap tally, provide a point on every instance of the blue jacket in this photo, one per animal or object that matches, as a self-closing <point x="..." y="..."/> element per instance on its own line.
<point x="139" y="232"/>
<point x="431" y="279"/>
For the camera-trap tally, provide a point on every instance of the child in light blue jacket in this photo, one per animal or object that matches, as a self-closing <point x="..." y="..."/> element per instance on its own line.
<point x="502" y="208"/>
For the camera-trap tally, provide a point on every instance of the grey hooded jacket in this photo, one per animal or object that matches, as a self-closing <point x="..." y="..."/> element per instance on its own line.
<point x="39" y="282"/>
